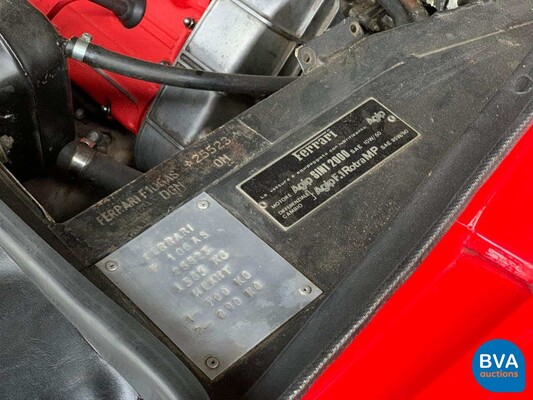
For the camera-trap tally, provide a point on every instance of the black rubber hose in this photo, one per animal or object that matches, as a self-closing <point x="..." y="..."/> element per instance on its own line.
<point x="396" y="10"/>
<point x="119" y="7"/>
<point x="254" y="85"/>
<point x="101" y="172"/>
<point x="130" y="12"/>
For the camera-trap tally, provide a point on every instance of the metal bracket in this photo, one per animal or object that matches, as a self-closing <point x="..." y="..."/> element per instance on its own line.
<point x="320" y="49"/>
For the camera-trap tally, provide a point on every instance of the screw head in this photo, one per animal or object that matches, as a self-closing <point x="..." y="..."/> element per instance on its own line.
<point x="354" y="29"/>
<point x="306" y="290"/>
<point x="189" y="22"/>
<point x="307" y="56"/>
<point x="212" y="362"/>
<point x="86" y="37"/>
<point x="79" y="113"/>
<point x="374" y="26"/>
<point x="111" y="266"/>
<point x="203" y="204"/>
<point x="106" y="110"/>
<point x="94" y="136"/>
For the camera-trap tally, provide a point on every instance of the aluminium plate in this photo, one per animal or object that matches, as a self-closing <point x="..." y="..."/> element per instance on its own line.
<point x="209" y="283"/>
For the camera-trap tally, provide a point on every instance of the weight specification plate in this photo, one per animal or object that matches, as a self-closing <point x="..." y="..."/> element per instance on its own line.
<point x="311" y="174"/>
<point x="209" y="283"/>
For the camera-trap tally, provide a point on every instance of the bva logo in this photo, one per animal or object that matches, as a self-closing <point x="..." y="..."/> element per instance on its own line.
<point x="500" y="366"/>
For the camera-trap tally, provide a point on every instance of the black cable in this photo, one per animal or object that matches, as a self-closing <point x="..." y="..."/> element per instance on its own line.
<point x="98" y="57"/>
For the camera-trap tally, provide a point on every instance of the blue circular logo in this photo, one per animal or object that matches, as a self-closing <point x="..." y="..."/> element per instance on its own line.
<point x="500" y="366"/>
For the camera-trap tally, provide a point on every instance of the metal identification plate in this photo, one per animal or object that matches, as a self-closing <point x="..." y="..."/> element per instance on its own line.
<point x="209" y="283"/>
<point x="314" y="172"/>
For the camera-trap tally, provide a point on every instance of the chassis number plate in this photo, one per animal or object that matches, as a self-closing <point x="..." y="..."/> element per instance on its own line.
<point x="209" y="283"/>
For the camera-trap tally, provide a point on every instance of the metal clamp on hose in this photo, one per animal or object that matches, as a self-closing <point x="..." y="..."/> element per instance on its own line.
<point x="80" y="157"/>
<point x="79" y="49"/>
<point x="80" y="162"/>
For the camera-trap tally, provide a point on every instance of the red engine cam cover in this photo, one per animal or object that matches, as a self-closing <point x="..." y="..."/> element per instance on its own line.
<point x="158" y="38"/>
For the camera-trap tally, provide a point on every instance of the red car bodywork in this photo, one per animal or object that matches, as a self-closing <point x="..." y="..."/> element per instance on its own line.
<point x="476" y="285"/>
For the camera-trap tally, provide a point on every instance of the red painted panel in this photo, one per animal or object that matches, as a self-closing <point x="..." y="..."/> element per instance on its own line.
<point x="473" y="287"/>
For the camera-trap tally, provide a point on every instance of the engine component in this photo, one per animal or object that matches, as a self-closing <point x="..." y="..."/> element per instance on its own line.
<point x="377" y="15"/>
<point x="395" y="9"/>
<point x="370" y="15"/>
<point x="441" y="5"/>
<point x="258" y="38"/>
<point x="130" y="12"/>
<point x="36" y="117"/>
<point x="158" y="38"/>
<point x="100" y="58"/>
<point x="88" y="165"/>
<point x="415" y="10"/>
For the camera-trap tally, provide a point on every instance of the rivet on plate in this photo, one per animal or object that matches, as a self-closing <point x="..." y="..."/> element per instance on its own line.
<point x="212" y="362"/>
<point x="111" y="266"/>
<point x="306" y="289"/>
<point x="391" y="118"/>
<point x="203" y="204"/>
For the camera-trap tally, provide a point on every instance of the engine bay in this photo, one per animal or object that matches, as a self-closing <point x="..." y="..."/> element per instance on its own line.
<point x="247" y="178"/>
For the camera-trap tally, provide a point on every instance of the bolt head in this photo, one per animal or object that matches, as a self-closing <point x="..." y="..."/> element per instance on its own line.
<point x="86" y="37"/>
<point x="79" y="113"/>
<point x="189" y="22"/>
<point x="94" y="136"/>
<point x="374" y="26"/>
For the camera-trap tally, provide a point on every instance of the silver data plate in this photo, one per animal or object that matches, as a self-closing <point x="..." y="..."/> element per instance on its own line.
<point x="209" y="283"/>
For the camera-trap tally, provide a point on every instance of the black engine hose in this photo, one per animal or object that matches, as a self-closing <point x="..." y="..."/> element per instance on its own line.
<point x="100" y="171"/>
<point x="130" y="12"/>
<point x="98" y="57"/>
<point x="119" y="7"/>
